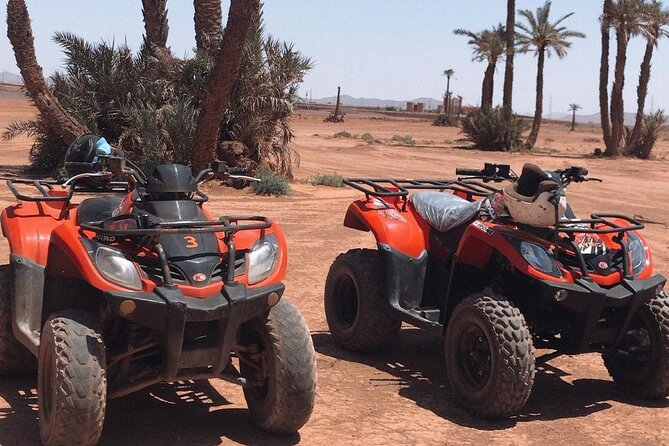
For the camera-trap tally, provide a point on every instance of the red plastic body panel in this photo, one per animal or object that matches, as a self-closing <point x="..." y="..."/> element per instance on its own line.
<point x="398" y="225"/>
<point x="34" y="229"/>
<point x="391" y="224"/>
<point x="28" y="226"/>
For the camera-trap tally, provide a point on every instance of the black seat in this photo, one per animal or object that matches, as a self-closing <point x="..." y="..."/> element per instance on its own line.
<point x="444" y="211"/>
<point x="532" y="182"/>
<point x="97" y="209"/>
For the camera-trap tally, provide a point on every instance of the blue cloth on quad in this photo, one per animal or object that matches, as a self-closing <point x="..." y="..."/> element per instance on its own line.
<point x="444" y="211"/>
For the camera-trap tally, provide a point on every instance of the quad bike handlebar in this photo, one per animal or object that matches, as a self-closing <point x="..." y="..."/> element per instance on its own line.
<point x="490" y="172"/>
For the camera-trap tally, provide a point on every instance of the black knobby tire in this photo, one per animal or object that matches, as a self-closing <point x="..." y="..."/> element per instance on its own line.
<point x="72" y="386"/>
<point x="354" y="302"/>
<point x="490" y="356"/>
<point x="277" y="354"/>
<point x="647" y="375"/>
<point x="15" y="358"/>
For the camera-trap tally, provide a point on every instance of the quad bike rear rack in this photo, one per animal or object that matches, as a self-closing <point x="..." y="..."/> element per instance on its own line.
<point x="395" y="187"/>
<point x="48" y="192"/>
<point x="598" y="224"/>
<point x="226" y="224"/>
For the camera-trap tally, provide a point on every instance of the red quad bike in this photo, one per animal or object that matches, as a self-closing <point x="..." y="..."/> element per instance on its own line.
<point x="121" y="292"/>
<point x="500" y="272"/>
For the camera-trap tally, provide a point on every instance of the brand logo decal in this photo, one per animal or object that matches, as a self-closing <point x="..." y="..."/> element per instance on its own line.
<point x="199" y="277"/>
<point x="393" y="215"/>
<point x="483" y="227"/>
<point x="603" y="265"/>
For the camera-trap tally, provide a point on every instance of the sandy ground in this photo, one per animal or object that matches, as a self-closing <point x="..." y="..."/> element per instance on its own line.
<point x="399" y="396"/>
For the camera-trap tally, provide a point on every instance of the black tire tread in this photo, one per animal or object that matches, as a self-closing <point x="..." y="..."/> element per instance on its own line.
<point x="515" y="347"/>
<point x="294" y="358"/>
<point x="377" y="328"/>
<point x="15" y="358"/>
<point x="656" y="386"/>
<point x="80" y="379"/>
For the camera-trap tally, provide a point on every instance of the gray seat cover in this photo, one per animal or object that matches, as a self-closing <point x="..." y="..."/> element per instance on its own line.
<point x="444" y="211"/>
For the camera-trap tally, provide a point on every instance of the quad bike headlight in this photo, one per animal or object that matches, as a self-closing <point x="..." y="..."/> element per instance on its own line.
<point x="539" y="258"/>
<point x="114" y="266"/>
<point x="262" y="259"/>
<point x="637" y="252"/>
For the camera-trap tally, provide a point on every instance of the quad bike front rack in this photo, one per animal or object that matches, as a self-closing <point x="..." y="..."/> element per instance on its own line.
<point x="599" y="224"/>
<point x="226" y="224"/>
<point x="395" y="187"/>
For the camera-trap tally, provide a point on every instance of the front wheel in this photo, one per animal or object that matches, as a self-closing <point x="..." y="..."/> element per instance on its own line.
<point x="641" y="366"/>
<point x="277" y="357"/>
<point x="489" y="356"/>
<point x="71" y="386"/>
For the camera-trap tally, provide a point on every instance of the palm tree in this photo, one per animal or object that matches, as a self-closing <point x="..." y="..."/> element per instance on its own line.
<point x="447" y="106"/>
<point x="208" y="19"/>
<point x="627" y="19"/>
<point x="510" y="49"/>
<point x="573" y="108"/>
<point x="605" y="23"/>
<point x="656" y="21"/>
<point x="221" y="79"/>
<point x="155" y="22"/>
<point x="543" y="37"/>
<point x="489" y="46"/>
<point x="52" y="112"/>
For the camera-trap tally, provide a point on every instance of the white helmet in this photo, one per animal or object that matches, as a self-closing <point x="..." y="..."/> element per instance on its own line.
<point x="528" y="198"/>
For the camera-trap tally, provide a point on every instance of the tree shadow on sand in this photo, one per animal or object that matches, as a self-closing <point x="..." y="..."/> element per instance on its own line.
<point x="180" y="413"/>
<point x="416" y="364"/>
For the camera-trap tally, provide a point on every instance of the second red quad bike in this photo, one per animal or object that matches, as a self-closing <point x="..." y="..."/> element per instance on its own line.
<point x="501" y="272"/>
<point x="122" y="291"/>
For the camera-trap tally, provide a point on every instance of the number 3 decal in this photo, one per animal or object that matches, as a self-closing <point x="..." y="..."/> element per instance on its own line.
<point x="191" y="242"/>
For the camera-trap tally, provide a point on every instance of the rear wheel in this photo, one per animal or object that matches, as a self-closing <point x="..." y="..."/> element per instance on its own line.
<point x="490" y="356"/>
<point x="71" y="386"/>
<point x="354" y="306"/>
<point x="277" y="357"/>
<point x="642" y="365"/>
<point x="15" y="359"/>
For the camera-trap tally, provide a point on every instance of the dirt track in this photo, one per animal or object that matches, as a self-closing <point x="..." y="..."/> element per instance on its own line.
<point x="399" y="396"/>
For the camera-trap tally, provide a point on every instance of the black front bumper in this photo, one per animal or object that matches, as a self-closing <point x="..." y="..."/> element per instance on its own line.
<point x="167" y="310"/>
<point x="593" y="305"/>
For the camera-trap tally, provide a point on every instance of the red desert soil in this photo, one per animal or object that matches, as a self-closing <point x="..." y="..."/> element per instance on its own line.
<point x="398" y="396"/>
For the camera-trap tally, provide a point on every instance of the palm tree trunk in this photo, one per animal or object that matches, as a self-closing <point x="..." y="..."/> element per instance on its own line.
<point x="604" y="77"/>
<point x="155" y="22"/>
<point x="641" y="91"/>
<point x="488" y="87"/>
<point x="538" y="108"/>
<point x="510" y="49"/>
<point x="20" y="35"/>
<point x="208" y="21"/>
<point x="617" y="105"/>
<point x="573" y="119"/>
<point x="221" y="80"/>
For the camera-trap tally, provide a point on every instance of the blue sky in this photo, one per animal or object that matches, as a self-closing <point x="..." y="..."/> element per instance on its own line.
<point x="390" y="49"/>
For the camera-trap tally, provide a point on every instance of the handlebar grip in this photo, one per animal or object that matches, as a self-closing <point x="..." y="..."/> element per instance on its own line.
<point x="468" y="172"/>
<point x="237" y="170"/>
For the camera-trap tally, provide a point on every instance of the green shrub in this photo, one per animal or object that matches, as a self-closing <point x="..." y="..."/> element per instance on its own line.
<point x="446" y="121"/>
<point x="369" y="139"/>
<point x="490" y="130"/>
<point x="328" y="179"/>
<point x="271" y="184"/>
<point x="404" y="140"/>
<point x="343" y="134"/>
<point x="650" y="132"/>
